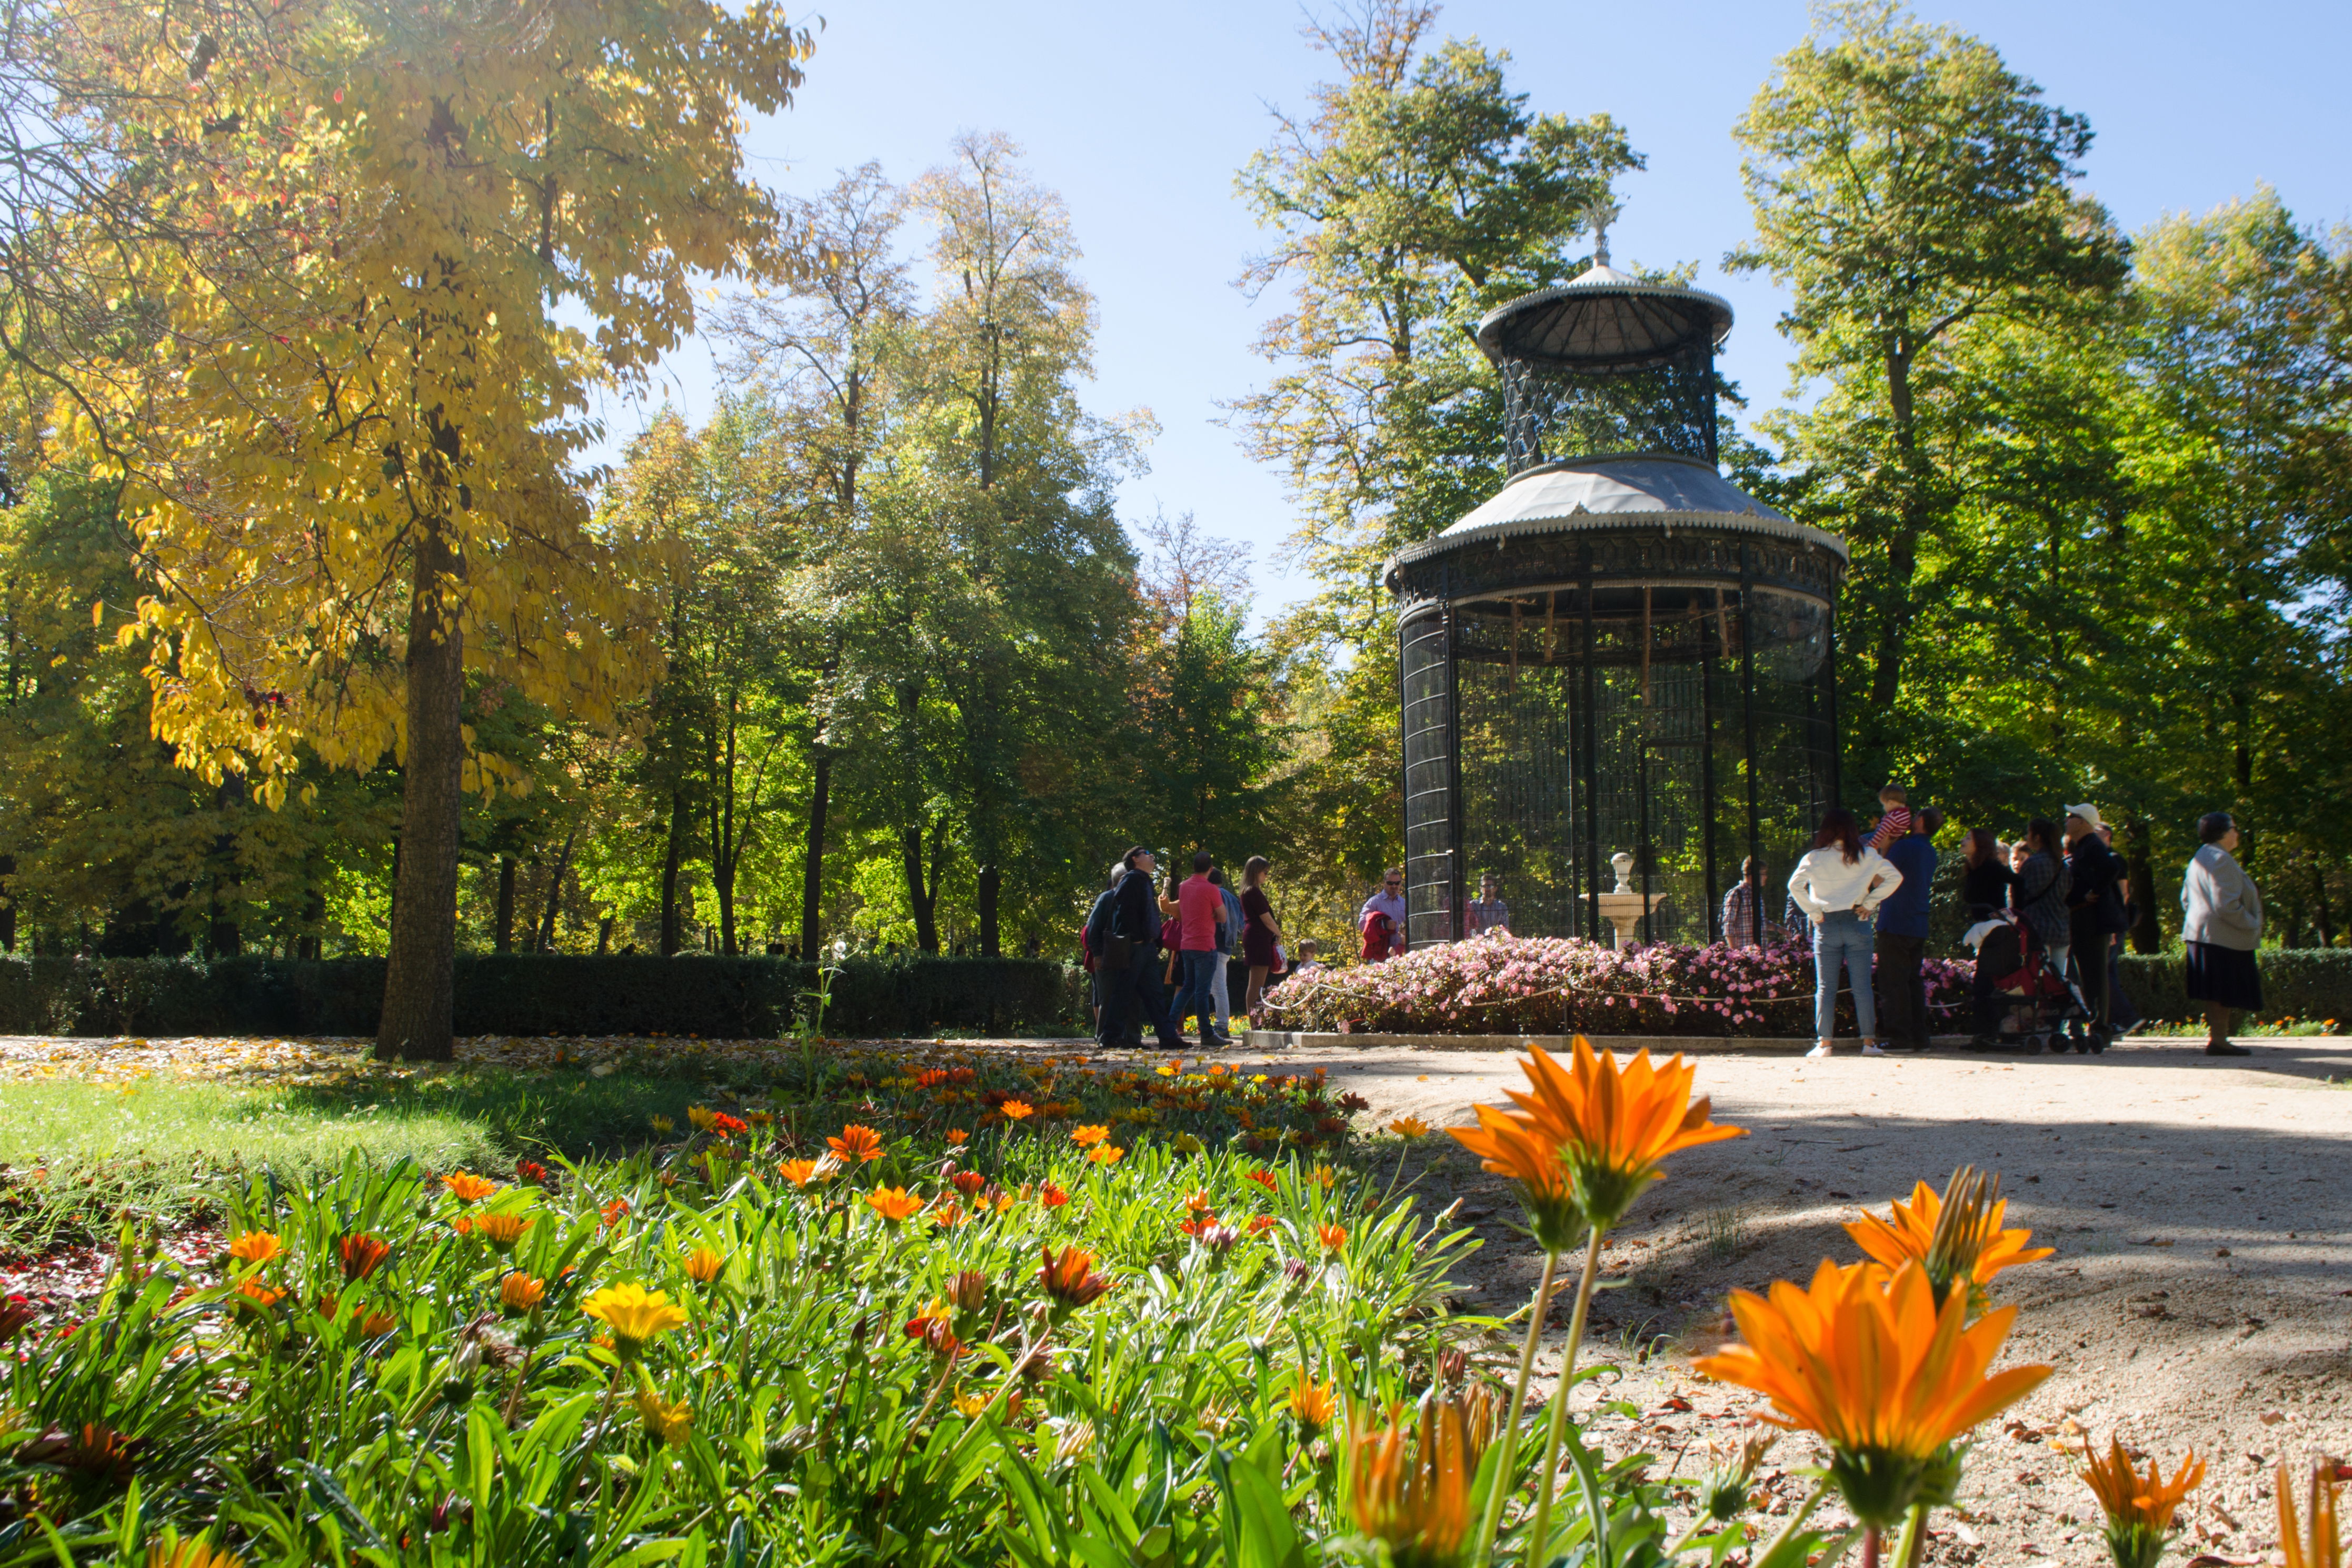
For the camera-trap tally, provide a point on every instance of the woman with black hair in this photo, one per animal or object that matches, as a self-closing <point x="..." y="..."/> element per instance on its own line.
<point x="1840" y="885"/>
<point x="2222" y="926"/>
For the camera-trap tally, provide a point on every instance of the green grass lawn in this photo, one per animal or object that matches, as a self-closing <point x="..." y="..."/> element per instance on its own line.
<point x="159" y="1149"/>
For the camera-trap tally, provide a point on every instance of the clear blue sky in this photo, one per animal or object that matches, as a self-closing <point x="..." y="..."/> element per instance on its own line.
<point x="1139" y="116"/>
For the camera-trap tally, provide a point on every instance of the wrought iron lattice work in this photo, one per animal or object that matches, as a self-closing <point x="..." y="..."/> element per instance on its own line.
<point x="1687" y="723"/>
<point x="1665" y="405"/>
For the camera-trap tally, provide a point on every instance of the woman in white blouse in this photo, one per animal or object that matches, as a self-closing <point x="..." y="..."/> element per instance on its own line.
<point x="1841" y="883"/>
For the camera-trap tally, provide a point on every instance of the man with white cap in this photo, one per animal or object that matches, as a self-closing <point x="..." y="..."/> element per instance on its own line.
<point x="2090" y="866"/>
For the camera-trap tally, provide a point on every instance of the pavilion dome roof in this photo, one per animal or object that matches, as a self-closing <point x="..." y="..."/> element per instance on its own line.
<point x="1603" y="320"/>
<point x="1614" y="491"/>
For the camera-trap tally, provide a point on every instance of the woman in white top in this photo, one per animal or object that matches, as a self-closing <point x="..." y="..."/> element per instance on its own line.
<point x="1841" y="883"/>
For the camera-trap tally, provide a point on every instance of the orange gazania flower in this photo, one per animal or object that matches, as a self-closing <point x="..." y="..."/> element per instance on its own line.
<point x="968" y="1182"/>
<point x="1516" y="1147"/>
<point x="329" y="1306"/>
<point x="1970" y="1245"/>
<point x="189" y="1551"/>
<point x="522" y="1294"/>
<point x="463" y="1225"/>
<point x="858" y="1145"/>
<point x="703" y="1265"/>
<point x="1198" y="1204"/>
<point x="502" y="1230"/>
<point x="614" y="1212"/>
<point x="957" y="1137"/>
<point x="361" y="1255"/>
<point x="1411" y="1489"/>
<point x="1017" y="1110"/>
<point x="1070" y="1279"/>
<point x="1263" y="1176"/>
<point x="946" y="1213"/>
<point x="2323" y="1548"/>
<point x="1107" y="1154"/>
<point x="894" y="1204"/>
<point x="469" y="1187"/>
<point x="799" y="1173"/>
<point x="1311" y="1403"/>
<point x="1332" y="1236"/>
<point x="376" y="1323"/>
<point x="2140" y="1509"/>
<point x="1052" y="1196"/>
<point x="1409" y="1128"/>
<point x="259" y="1294"/>
<point x="255" y="1246"/>
<point x="935" y="1326"/>
<point x="1877" y="1369"/>
<point x="1615" y="1127"/>
<point x="1088" y="1136"/>
<point x="1262" y="1224"/>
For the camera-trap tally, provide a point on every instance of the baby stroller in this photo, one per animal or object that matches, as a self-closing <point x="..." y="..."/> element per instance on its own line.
<point x="2022" y="1002"/>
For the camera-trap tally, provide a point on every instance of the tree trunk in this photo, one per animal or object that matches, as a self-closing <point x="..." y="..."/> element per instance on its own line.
<point x="504" y="938"/>
<point x="546" y="943"/>
<point x="671" y="859"/>
<point x="420" y="980"/>
<point x="2147" y="931"/>
<point x="2319" y="890"/>
<point x="1903" y="547"/>
<point x="7" y="906"/>
<point x="813" y="870"/>
<point x="991" y="879"/>
<point x="920" y="896"/>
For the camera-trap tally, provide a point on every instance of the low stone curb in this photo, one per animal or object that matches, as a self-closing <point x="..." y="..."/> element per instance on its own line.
<point x="1624" y="1044"/>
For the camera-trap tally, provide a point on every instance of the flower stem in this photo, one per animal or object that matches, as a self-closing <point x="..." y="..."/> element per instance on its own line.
<point x="1796" y="1521"/>
<point x="1869" y="1547"/>
<point x="1507" y="1462"/>
<point x="1913" y="1542"/>
<point x="1537" y="1545"/>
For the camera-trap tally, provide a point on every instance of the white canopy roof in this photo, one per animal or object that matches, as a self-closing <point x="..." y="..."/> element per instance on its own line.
<point x="1642" y="488"/>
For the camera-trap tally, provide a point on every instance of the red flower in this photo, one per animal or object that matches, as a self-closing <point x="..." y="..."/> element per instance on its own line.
<point x="968" y="1182"/>
<point x="1264" y="1179"/>
<point x="361" y="1255"/>
<point x="729" y="1126"/>
<point x="1052" y="1196"/>
<point x="1070" y="1279"/>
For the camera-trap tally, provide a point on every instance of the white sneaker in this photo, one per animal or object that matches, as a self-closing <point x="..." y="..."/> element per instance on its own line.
<point x="1819" y="1051"/>
<point x="1870" y="1048"/>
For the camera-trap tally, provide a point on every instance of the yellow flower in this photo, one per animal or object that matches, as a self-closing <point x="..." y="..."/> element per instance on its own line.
<point x="1877" y="1369"/>
<point x="635" y="1314"/>
<point x="522" y="1294"/>
<point x="1411" y="1490"/>
<point x="1186" y="1143"/>
<point x="894" y="1204"/>
<point x="1409" y="1128"/>
<point x="1957" y="1237"/>
<point x="2140" y="1509"/>
<point x="700" y="1116"/>
<point x="469" y="1187"/>
<point x="1324" y="1176"/>
<point x="703" y="1265"/>
<point x="664" y="1422"/>
<point x="255" y="1246"/>
<point x="1311" y="1403"/>
<point x="970" y="1405"/>
<point x="2323" y="1548"/>
<point x="1107" y="1154"/>
<point x="193" y="1551"/>
<point x="1615" y="1127"/>
<point x="661" y="1124"/>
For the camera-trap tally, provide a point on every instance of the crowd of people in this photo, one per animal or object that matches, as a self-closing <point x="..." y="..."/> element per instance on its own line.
<point x="2046" y="915"/>
<point x="1159" y="953"/>
<point x="2060" y="896"/>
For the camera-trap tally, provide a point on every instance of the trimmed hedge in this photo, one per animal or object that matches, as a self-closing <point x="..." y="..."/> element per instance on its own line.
<point x="2297" y="983"/>
<point x="514" y="994"/>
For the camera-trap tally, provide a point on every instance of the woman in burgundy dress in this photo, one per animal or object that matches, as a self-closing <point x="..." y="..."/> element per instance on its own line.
<point x="1261" y="934"/>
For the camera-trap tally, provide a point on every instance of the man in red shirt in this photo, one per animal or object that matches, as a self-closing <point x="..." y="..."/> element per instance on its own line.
<point x="1199" y="906"/>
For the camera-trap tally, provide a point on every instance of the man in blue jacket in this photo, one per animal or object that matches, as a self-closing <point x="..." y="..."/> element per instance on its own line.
<point x="1131" y="994"/>
<point x="1903" y="935"/>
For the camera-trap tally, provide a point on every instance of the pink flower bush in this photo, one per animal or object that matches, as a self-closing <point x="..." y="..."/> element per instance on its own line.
<point x="1556" y="984"/>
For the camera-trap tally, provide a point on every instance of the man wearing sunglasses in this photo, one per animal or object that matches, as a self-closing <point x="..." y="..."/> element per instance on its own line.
<point x="1388" y="901"/>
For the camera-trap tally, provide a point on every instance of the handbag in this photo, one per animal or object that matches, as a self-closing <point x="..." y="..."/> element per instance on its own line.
<point x="1118" y="953"/>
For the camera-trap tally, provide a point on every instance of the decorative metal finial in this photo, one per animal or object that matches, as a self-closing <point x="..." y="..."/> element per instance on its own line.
<point x="1602" y="214"/>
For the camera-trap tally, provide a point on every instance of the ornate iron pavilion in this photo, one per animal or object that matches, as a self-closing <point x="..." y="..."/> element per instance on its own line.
<point x="1619" y="655"/>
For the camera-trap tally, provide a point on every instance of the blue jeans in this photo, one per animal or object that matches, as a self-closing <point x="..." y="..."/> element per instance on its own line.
<point x="1843" y="937"/>
<point x="1202" y="970"/>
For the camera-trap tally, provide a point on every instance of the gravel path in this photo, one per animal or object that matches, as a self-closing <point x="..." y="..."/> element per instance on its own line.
<point x="2202" y="1209"/>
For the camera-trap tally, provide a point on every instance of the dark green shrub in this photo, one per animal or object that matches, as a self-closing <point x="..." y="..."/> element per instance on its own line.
<point x="2297" y="983"/>
<point x="520" y="995"/>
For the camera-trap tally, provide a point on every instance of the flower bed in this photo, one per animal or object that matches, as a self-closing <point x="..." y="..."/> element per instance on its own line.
<point x="1550" y="985"/>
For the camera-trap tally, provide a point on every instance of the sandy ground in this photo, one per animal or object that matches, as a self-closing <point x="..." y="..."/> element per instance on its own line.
<point x="2202" y="1209"/>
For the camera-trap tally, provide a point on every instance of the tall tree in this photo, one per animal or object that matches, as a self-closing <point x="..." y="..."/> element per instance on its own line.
<point x="1907" y="185"/>
<point x="829" y="347"/>
<point x="423" y="206"/>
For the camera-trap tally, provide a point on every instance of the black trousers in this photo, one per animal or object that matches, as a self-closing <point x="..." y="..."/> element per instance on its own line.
<point x="2092" y="946"/>
<point x="1902" y="991"/>
<point x="1133" y="999"/>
